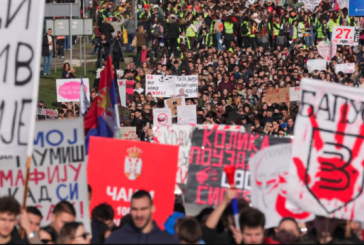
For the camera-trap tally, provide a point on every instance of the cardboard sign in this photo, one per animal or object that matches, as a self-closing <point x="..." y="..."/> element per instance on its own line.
<point x="294" y="94"/>
<point x="186" y="114"/>
<point x="21" y="29"/>
<point x="277" y="95"/>
<point x="269" y="171"/>
<point x="127" y="133"/>
<point x="347" y="68"/>
<point x="327" y="50"/>
<point x="310" y="4"/>
<point x="181" y="135"/>
<point x="126" y="91"/>
<point x="47" y="112"/>
<point x="173" y="103"/>
<point x="187" y="86"/>
<point x="57" y="173"/>
<point x="161" y="86"/>
<point x="131" y="166"/>
<point x="346" y="35"/>
<point x="326" y="177"/>
<point x="211" y="151"/>
<point x="316" y="65"/>
<point x="68" y="90"/>
<point x="162" y="117"/>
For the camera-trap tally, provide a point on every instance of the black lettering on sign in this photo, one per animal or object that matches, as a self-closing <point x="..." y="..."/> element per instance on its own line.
<point x="12" y="14"/>
<point x="5" y="69"/>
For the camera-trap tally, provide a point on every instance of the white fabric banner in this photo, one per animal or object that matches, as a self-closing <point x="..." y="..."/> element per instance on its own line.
<point x="57" y="173"/>
<point x="186" y="114"/>
<point x="310" y="4"/>
<point x="347" y="68"/>
<point x="326" y="176"/>
<point x="21" y="27"/>
<point x="318" y="64"/>
<point x="269" y="172"/>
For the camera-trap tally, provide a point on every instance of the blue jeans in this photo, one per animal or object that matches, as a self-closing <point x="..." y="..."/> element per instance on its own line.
<point x="47" y="63"/>
<point x="130" y="40"/>
<point x="67" y="43"/>
<point x="219" y="43"/>
<point x="307" y="41"/>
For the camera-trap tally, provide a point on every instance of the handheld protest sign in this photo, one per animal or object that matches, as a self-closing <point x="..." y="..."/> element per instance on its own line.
<point x="327" y="50"/>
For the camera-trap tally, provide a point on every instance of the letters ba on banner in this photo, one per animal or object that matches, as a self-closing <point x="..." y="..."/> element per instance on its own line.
<point x="211" y="151"/>
<point x="57" y="173"/>
<point x="19" y="72"/>
<point x="326" y="177"/>
<point x="131" y="166"/>
<point x="269" y="171"/>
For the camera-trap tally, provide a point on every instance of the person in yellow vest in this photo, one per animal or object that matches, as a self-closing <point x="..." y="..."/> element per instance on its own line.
<point x="321" y="30"/>
<point x="228" y="32"/>
<point x="245" y="32"/>
<point x="254" y="35"/>
<point x="334" y="21"/>
<point x="274" y="29"/>
<point x="294" y="31"/>
<point x="191" y="33"/>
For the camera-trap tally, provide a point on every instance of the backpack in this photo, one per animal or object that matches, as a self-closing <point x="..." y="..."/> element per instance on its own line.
<point x="244" y="29"/>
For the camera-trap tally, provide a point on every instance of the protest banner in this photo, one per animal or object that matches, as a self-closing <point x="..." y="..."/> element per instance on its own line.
<point x="127" y="133"/>
<point x="68" y="90"/>
<point x="173" y="103"/>
<point x="326" y="178"/>
<point x="126" y="91"/>
<point x="356" y="8"/>
<point x="327" y="50"/>
<point x="343" y="4"/>
<point x="47" y="112"/>
<point x="57" y="173"/>
<point x="310" y="4"/>
<point x="21" y="28"/>
<point x="181" y="135"/>
<point x="346" y="68"/>
<point x="346" y="35"/>
<point x="187" y="86"/>
<point x="186" y="114"/>
<point x="162" y="117"/>
<point x="316" y="65"/>
<point x="131" y="166"/>
<point x="211" y="151"/>
<point x="160" y="86"/>
<point x="277" y="95"/>
<point x="269" y="171"/>
<point x="294" y="94"/>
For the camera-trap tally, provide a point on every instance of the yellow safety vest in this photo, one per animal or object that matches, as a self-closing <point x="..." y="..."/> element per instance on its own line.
<point x="332" y="24"/>
<point x="190" y="32"/>
<point x="229" y="28"/>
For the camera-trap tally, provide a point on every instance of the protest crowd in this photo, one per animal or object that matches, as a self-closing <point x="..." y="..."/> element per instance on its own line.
<point x="209" y="72"/>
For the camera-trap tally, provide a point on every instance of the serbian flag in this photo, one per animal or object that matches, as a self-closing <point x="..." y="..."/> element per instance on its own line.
<point x="102" y="118"/>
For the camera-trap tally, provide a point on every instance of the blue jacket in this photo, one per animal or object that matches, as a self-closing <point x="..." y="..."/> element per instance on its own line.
<point x="129" y="234"/>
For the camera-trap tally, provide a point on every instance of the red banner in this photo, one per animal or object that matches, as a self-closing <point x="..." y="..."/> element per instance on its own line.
<point x="118" y="168"/>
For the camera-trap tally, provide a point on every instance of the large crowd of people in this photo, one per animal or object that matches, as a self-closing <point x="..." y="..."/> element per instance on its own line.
<point x="239" y="50"/>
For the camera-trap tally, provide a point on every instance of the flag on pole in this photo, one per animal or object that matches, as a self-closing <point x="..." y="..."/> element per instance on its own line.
<point x="102" y="119"/>
<point x="84" y="103"/>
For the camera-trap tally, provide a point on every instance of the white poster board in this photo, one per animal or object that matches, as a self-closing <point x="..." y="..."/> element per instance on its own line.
<point x="269" y="173"/>
<point x="162" y="117"/>
<point x="68" y="90"/>
<point x="295" y="93"/>
<point x="327" y="173"/>
<point x="186" y="114"/>
<point x="57" y="173"/>
<point x="347" y="68"/>
<point x="21" y="27"/>
<point x="346" y="35"/>
<point x="187" y="86"/>
<point x="318" y="65"/>
<point x="160" y="86"/>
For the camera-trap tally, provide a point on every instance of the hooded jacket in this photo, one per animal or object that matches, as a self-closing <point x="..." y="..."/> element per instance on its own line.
<point x="129" y="234"/>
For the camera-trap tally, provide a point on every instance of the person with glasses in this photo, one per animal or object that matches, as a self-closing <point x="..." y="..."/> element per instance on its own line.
<point x="73" y="233"/>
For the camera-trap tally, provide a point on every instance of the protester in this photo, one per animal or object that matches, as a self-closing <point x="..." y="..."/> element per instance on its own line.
<point x="9" y="210"/>
<point x="73" y="233"/>
<point x="47" y="51"/>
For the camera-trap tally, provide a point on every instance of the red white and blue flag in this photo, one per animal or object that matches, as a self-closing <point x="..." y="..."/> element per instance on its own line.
<point x="102" y="119"/>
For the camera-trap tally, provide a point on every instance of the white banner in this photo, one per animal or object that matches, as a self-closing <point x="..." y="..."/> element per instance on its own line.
<point x="346" y="35"/>
<point x="327" y="174"/>
<point x="318" y="64"/>
<point x="269" y="173"/>
<point x="343" y="4"/>
<point x="47" y="112"/>
<point x="172" y="86"/>
<point x="21" y="28"/>
<point x="186" y="114"/>
<point x="295" y="93"/>
<point x="187" y="86"/>
<point x="310" y="4"/>
<point x="57" y="173"/>
<point x="68" y="90"/>
<point x="347" y="68"/>
<point x="162" y="117"/>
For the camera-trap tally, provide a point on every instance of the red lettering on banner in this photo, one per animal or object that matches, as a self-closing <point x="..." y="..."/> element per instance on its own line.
<point x="4" y="177"/>
<point x="51" y="175"/>
<point x="252" y="139"/>
<point x="50" y="212"/>
<point x="342" y="125"/>
<point x="222" y="139"/>
<point x="231" y="158"/>
<point x="195" y="150"/>
<point x="36" y="176"/>
<point x="77" y="170"/>
<point x="219" y="157"/>
<point x="206" y="134"/>
<point x="232" y="140"/>
<point x="265" y="143"/>
<point x="207" y="163"/>
<point x="65" y="174"/>
<point x="240" y="160"/>
<point x="213" y="196"/>
<point x="20" y="177"/>
<point x="243" y="141"/>
<point x="198" y="194"/>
